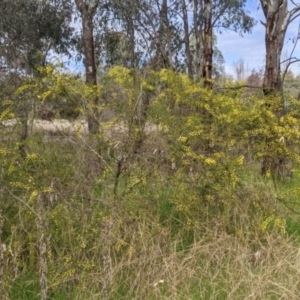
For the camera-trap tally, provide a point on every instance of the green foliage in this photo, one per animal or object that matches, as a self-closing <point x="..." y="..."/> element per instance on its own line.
<point x="179" y="180"/>
<point x="211" y="136"/>
<point x="30" y="29"/>
<point x="25" y="287"/>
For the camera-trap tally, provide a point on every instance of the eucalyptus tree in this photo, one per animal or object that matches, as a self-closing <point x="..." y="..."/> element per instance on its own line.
<point x="278" y="18"/>
<point x="87" y="10"/>
<point x="158" y="31"/>
<point x="146" y="27"/>
<point x="30" y="30"/>
<point x="198" y="12"/>
<point x="121" y="41"/>
<point x="117" y="41"/>
<point x="186" y="30"/>
<point x="200" y="19"/>
<point x="221" y="14"/>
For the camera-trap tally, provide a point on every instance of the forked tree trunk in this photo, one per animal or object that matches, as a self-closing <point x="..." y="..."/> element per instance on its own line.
<point x="87" y="14"/>
<point x="277" y="20"/>
<point x="208" y="51"/>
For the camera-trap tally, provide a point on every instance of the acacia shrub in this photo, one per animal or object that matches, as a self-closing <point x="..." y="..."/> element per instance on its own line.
<point x="188" y="175"/>
<point x="211" y="134"/>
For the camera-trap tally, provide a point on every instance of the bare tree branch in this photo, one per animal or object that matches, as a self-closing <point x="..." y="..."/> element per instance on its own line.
<point x="237" y="87"/>
<point x="291" y="56"/>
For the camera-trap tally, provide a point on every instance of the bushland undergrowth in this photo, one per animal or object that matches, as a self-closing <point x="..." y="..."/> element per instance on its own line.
<point x="177" y="208"/>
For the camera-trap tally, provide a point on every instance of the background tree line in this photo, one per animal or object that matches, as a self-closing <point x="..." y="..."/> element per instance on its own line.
<point x="142" y="35"/>
<point x="137" y="34"/>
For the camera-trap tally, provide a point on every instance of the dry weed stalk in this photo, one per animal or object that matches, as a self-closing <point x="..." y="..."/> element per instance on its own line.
<point x="42" y="226"/>
<point x="107" y="260"/>
<point x="1" y="255"/>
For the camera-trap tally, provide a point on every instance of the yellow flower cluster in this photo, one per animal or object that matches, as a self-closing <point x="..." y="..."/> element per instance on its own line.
<point x="210" y="161"/>
<point x="274" y="222"/>
<point x="6" y="114"/>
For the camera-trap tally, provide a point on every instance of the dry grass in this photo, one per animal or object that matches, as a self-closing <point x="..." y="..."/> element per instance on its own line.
<point x="150" y="262"/>
<point x="211" y="268"/>
<point x="66" y="126"/>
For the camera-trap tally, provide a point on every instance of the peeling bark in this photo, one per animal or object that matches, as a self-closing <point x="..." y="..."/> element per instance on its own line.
<point x="277" y="20"/>
<point x="87" y="14"/>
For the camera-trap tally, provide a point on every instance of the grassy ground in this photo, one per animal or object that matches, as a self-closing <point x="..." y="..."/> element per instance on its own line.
<point x="135" y="242"/>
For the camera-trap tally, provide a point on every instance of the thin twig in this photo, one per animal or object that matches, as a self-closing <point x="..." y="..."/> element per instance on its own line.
<point x="1" y="257"/>
<point x="291" y="55"/>
<point x="238" y="87"/>
<point x="22" y="201"/>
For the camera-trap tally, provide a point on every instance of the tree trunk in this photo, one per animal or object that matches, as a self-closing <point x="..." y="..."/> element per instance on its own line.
<point x="23" y="115"/>
<point x="208" y="51"/>
<point x="87" y="15"/>
<point x="87" y="12"/>
<point x="166" y="42"/>
<point x="187" y="39"/>
<point x="277" y="20"/>
<point x="130" y="32"/>
<point x="197" y="29"/>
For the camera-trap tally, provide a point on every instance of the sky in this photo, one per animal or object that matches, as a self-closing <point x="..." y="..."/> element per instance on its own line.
<point x="251" y="47"/>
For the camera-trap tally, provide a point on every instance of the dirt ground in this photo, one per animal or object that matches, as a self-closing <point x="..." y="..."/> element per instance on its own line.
<point x="63" y="126"/>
